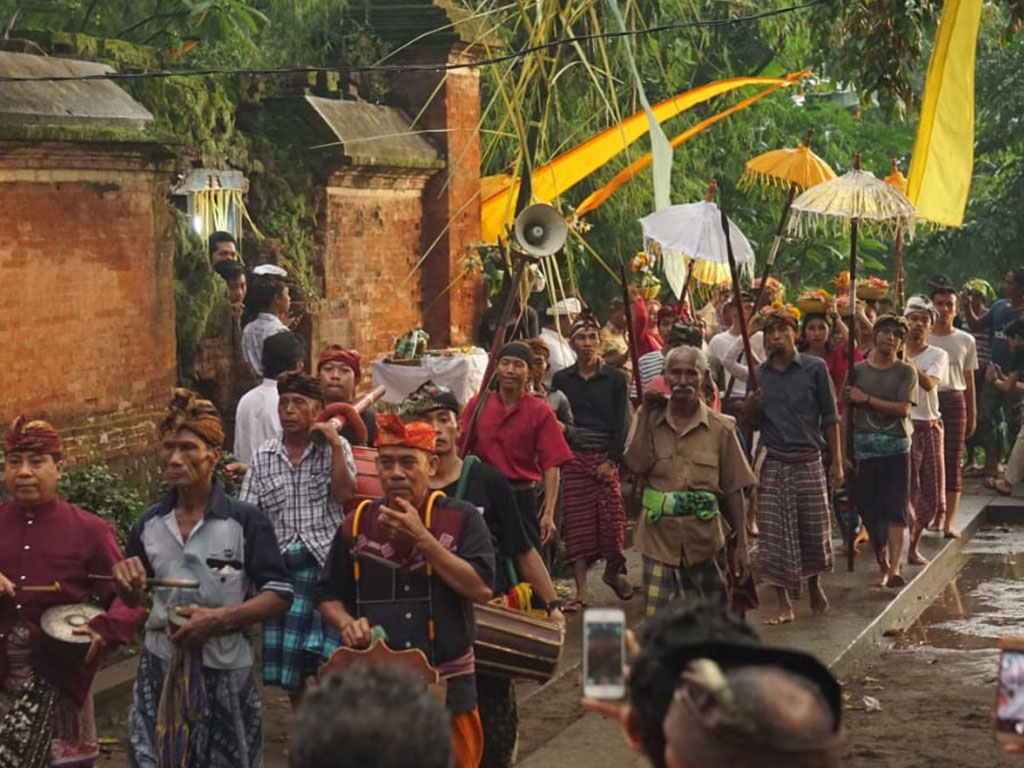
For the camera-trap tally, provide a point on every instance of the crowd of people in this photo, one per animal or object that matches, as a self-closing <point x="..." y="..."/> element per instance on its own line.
<point x="714" y="439"/>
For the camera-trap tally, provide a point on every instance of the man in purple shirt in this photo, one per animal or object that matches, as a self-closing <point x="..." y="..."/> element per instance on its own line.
<point x="46" y="715"/>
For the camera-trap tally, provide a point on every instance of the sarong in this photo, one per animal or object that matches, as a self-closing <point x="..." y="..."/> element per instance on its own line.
<point x="927" y="475"/>
<point x="593" y="516"/>
<point x="296" y="643"/>
<point x="39" y="725"/>
<point x="881" y="491"/>
<point x="228" y="732"/>
<point x="499" y="717"/>
<point x="793" y="519"/>
<point x="664" y="583"/>
<point x="953" y="407"/>
<point x="467" y="739"/>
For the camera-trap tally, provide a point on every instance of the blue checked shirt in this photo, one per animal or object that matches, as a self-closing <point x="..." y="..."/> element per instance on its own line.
<point x="297" y="499"/>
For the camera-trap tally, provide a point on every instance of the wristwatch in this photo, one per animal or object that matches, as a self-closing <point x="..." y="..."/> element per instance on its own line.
<point x="554" y="605"/>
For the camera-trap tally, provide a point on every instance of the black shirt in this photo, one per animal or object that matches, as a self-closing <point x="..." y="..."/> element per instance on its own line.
<point x="371" y="429"/>
<point x="489" y="491"/>
<point x="488" y="329"/>
<point x="598" y="408"/>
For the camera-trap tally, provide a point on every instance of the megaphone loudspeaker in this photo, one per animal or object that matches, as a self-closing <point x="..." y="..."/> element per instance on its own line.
<point x="540" y="230"/>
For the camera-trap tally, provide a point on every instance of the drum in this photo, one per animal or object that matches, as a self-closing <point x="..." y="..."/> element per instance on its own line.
<point x="516" y="645"/>
<point x="59" y="622"/>
<point x="367" y="482"/>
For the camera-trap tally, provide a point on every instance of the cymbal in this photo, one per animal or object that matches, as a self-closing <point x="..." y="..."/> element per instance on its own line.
<point x="59" y="621"/>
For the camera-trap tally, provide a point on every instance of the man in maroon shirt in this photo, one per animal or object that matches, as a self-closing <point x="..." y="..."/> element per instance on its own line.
<point x="519" y="434"/>
<point x="46" y="715"/>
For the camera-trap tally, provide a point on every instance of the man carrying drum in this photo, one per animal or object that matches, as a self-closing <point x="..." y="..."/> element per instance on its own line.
<point x="196" y="650"/>
<point x="47" y="551"/>
<point x="412" y="564"/>
<point x="483" y="486"/>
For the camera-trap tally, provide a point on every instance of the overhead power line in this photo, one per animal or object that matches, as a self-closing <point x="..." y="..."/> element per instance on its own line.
<point x="438" y="67"/>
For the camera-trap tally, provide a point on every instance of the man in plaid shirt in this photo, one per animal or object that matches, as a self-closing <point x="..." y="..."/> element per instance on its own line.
<point x="300" y="480"/>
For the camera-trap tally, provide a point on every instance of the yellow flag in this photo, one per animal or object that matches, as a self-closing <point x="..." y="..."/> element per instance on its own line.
<point x="943" y="159"/>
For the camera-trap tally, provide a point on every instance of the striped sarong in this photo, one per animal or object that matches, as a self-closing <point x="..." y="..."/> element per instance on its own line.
<point x="593" y="516"/>
<point x="296" y="643"/>
<point x="227" y="731"/>
<point x="953" y="407"/>
<point x="793" y="518"/>
<point x="927" y="475"/>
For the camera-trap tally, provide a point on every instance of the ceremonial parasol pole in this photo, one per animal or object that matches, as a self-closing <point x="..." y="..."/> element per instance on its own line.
<point x="898" y="180"/>
<point x="752" y="377"/>
<point x="634" y="352"/>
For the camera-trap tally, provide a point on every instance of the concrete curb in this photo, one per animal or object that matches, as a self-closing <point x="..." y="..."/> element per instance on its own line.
<point x="908" y="605"/>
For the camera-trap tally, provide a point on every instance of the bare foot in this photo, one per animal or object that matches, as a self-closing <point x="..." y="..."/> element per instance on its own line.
<point x="949" y="534"/>
<point x="782" y="618"/>
<point x="819" y="603"/>
<point x="882" y="581"/>
<point x="914" y="558"/>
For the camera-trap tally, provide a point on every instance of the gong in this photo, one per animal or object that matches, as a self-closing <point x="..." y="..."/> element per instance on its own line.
<point x="59" y="622"/>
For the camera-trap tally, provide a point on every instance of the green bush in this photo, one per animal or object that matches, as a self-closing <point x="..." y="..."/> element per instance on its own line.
<point x="99" y="489"/>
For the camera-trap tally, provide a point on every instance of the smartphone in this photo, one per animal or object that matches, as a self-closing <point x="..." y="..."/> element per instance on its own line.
<point x="604" y="653"/>
<point x="1009" y="710"/>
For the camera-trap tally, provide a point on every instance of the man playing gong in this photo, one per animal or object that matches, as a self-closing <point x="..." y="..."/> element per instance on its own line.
<point x="47" y="550"/>
<point x="195" y="703"/>
<point x="412" y="564"/>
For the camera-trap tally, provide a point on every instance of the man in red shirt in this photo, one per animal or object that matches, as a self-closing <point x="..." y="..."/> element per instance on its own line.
<point x="518" y="434"/>
<point x="46" y="715"/>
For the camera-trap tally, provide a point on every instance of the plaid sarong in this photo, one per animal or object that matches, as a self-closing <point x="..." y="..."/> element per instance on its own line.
<point x="663" y="583"/>
<point x="593" y="517"/>
<point x="953" y="407"/>
<point x="296" y="643"/>
<point x="793" y="519"/>
<point x="227" y="732"/>
<point x="927" y="475"/>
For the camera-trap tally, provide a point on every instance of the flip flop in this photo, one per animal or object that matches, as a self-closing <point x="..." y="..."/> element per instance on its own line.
<point x="896" y="581"/>
<point x="622" y="588"/>
<point x="574" y="606"/>
<point x="998" y="485"/>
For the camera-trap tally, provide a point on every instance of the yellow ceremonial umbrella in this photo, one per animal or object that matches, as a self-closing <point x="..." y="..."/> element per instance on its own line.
<point x="897" y="180"/>
<point x="800" y="168"/>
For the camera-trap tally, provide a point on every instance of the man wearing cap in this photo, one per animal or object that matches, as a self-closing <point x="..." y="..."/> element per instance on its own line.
<point x="516" y="559"/>
<point x="593" y="516"/>
<point x="927" y="465"/>
<point x="340" y="372"/>
<point x="300" y="480"/>
<point x="694" y="473"/>
<point x="796" y="404"/>
<point x="256" y="419"/>
<point x="957" y="402"/>
<point x="518" y="433"/>
<point x="413" y="564"/>
<point x="47" y="550"/>
<point x="881" y="390"/>
<point x="556" y="328"/>
<point x="196" y="644"/>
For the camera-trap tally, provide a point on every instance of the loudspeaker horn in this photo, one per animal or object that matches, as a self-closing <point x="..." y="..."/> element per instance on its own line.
<point x="540" y="230"/>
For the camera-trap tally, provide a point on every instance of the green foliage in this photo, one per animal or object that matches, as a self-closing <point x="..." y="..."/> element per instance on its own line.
<point x="99" y="489"/>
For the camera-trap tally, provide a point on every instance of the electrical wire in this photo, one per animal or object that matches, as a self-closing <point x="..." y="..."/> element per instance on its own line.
<point x="439" y="67"/>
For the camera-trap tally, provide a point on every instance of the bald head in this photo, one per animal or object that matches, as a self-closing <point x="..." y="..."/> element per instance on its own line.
<point x="749" y="717"/>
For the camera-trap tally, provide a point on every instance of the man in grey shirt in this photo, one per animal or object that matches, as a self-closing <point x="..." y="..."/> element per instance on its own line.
<point x="797" y="405"/>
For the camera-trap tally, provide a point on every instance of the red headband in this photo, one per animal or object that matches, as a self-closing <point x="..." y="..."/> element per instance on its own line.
<point x="393" y="432"/>
<point x="33" y="437"/>
<point x="338" y="354"/>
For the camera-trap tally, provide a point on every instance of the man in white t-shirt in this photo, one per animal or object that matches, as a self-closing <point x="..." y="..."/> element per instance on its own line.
<point x="722" y="343"/>
<point x="927" y="466"/>
<point x="957" y="402"/>
<point x="559" y="320"/>
<point x="256" y="419"/>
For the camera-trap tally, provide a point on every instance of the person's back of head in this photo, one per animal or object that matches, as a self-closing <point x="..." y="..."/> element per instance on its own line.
<point x="370" y="717"/>
<point x="750" y="717"/>
<point x="281" y="352"/>
<point x="667" y="642"/>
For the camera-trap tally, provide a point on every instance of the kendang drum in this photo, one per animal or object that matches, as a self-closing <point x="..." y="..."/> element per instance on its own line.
<point x="515" y="644"/>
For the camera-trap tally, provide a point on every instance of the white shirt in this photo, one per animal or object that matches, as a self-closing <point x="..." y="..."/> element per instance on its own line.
<point x="560" y="352"/>
<point x="934" y="362"/>
<point x="256" y="419"/>
<point x="737" y="368"/>
<point x="254" y="334"/>
<point x="963" y="357"/>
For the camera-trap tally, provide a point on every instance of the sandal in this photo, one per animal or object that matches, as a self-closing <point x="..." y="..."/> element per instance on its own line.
<point x="999" y="485"/>
<point x="622" y="588"/>
<point x="574" y="606"/>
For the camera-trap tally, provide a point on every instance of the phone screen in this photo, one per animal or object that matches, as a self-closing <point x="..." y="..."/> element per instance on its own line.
<point x="604" y="654"/>
<point x="1010" y="699"/>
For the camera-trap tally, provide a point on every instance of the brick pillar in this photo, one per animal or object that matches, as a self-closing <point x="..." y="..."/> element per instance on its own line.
<point x="451" y="199"/>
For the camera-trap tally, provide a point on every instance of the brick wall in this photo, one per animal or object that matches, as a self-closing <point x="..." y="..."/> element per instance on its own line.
<point x="87" y="315"/>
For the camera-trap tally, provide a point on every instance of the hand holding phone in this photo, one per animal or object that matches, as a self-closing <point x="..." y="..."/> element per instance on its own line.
<point x="604" y="653"/>
<point x="1009" y="709"/>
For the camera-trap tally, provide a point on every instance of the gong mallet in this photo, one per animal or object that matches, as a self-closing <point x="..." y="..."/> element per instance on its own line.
<point x="55" y="587"/>
<point x="169" y="583"/>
